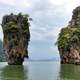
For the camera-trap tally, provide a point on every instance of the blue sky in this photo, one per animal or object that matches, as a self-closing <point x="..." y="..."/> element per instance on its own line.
<point x="49" y="16"/>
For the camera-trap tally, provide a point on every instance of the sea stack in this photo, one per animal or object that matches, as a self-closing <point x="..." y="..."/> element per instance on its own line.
<point x="69" y="40"/>
<point x="16" y="37"/>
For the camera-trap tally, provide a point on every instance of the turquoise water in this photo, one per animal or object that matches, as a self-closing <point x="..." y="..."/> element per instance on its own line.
<point x="49" y="70"/>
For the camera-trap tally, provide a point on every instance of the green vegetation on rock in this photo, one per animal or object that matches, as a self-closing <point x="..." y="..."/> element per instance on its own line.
<point x="69" y="40"/>
<point x="66" y="35"/>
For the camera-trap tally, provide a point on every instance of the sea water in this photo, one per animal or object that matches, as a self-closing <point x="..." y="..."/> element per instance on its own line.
<point x="39" y="70"/>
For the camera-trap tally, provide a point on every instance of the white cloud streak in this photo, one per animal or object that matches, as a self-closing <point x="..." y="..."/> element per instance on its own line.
<point x="8" y="2"/>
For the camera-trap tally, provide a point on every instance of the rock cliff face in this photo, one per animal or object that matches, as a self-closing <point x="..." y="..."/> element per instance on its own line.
<point x="2" y="53"/>
<point x="16" y="37"/>
<point x="69" y="40"/>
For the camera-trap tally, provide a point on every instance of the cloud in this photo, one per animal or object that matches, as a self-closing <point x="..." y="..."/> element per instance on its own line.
<point x="57" y="2"/>
<point x="49" y="19"/>
<point x="22" y="3"/>
<point x="8" y="2"/>
<point x="16" y="3"/>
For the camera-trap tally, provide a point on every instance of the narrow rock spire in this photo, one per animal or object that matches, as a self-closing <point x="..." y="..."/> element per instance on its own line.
<point x="16" y="37"/>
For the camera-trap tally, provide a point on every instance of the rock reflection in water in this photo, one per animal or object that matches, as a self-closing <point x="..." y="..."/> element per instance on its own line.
<point x="14" y="72"/>
<point x="70" y="72"/>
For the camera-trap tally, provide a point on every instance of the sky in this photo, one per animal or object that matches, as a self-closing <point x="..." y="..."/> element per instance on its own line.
<point x="49" y="16"/>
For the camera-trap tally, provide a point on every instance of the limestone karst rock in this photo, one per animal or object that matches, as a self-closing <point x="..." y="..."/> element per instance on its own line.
<point x="16" y="37"/>
<point x="69" y="40"/>
<point x="2" y="53"/>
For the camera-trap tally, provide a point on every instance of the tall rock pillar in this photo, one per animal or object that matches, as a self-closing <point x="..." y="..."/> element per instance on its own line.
<point x="16" y="37"/>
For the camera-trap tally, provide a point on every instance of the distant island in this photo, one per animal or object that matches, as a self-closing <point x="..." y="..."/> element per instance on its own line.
<point x="34" y="60"/>
<point x="69" y="40"/>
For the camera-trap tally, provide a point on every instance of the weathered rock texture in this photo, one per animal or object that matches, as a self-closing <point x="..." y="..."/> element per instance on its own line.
<point x="69" y="40"/>
<point x="16" y="37"/>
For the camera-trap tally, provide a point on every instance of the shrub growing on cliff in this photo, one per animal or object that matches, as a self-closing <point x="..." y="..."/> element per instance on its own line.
<point x="67" y="35"/>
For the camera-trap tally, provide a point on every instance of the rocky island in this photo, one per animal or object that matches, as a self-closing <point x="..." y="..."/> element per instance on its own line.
<point x="16" y="37"/>
<point x="69" y="40"/>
